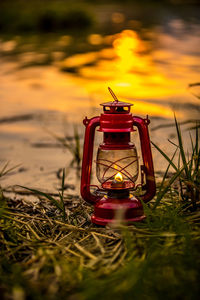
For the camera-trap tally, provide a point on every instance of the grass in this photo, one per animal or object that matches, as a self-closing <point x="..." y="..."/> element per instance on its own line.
<point x="186" y="171"/>
<point x="192" y="87"/>
<point x="72" y="144"/>
<point x="5" y="170"/>
<point x="44" y="257"/>
<point x="50" y="250"/>
<point x="59" y="204"/>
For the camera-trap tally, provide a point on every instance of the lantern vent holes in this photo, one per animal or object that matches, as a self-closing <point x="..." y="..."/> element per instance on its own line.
<point x="106" y="108"/>
<point x="114" y="108"/>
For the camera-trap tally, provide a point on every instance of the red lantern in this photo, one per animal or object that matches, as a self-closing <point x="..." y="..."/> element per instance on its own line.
<point x="117" y="165"/>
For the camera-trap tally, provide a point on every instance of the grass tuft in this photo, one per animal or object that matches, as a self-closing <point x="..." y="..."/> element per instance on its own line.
<point x="187" y="171"/>
<point x="73" y="146"/>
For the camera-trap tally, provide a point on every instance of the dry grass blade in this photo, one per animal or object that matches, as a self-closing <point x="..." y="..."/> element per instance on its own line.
<point x="84" y="251"/>
<point x="99" y="244"/>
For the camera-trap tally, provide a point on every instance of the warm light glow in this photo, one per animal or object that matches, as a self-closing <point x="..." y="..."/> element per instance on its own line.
<point x="150" y="73"/>
<point x="152" y="78"/>
<point x="119" y="177"/>
<point x="126" y="47"/>
<point x="95" y="39"/>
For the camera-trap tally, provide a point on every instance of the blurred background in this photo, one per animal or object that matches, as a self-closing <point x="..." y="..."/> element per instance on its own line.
<point x="58" y="58"/>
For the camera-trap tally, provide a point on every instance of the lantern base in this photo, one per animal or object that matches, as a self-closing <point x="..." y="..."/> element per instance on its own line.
<point x="118" y="211"/>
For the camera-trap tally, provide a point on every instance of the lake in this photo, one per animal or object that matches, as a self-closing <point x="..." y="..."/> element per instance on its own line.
<point x="49" y="83"/>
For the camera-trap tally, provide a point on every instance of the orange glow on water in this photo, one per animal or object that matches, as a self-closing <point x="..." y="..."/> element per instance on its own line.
<point x="126" y="47"/>
<point x="139" y="74"/>
<point x="153" y="78"/>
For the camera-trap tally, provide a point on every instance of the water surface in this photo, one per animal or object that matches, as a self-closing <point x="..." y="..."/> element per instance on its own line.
<point x="150" y="67"/>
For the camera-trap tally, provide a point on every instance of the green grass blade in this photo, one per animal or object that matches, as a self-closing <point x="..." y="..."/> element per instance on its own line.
<point x="63" y="206"/>
<point x="197" y="140"/>
<point x="192" y="160"/>
<point x="54" y="201"/>
<point x="166" y="157"/>
<point x="63" y="182"/>
<point x="77" y="146"/>
<point x="182" y="152"/>
<point x="164" y="191"/>
<point x="61" y="195"/>
<point x="166" y="172"/>
<point x="180" y="179"/>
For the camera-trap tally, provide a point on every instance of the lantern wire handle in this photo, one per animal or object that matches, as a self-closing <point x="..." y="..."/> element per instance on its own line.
<point x="113" y="94"/>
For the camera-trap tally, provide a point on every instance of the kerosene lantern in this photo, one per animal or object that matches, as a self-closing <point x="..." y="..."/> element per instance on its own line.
<point x="117" y="165"/>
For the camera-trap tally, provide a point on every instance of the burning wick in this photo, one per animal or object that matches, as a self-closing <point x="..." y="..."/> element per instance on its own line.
<point x="119" y="177"/>
<point x="118" y="181"/>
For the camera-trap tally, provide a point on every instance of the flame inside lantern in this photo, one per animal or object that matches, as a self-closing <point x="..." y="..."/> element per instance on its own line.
<point x="119" y="177"/>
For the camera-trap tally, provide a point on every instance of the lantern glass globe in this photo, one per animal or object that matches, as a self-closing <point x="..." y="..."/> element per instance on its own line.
<point x="118" y="164"/>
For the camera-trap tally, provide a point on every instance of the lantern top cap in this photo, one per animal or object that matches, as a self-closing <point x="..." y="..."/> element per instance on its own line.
<point x="115" y="103"/>
<point x="116" y="106"/>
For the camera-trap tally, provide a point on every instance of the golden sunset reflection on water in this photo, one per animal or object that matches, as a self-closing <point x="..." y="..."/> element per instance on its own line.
<point x="149" y="77"/>
<point x="151" y="73"/>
